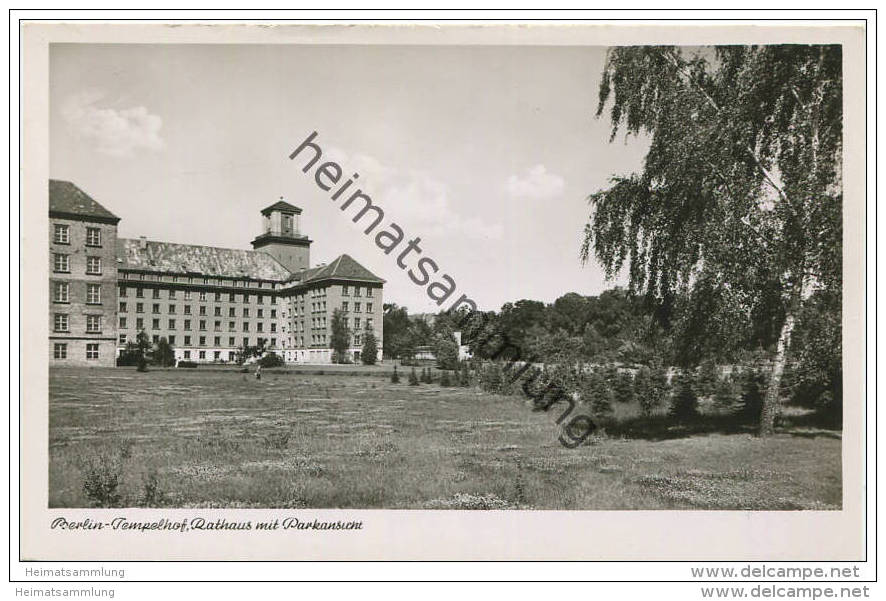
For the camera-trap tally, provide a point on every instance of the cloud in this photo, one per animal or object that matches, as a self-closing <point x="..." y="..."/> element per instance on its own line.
<point x="116" y="132"/>
<point x="413" y="198"/>
<point x="538" y="184"/>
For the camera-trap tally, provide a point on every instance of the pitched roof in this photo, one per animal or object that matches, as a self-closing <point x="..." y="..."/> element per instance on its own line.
<point x="206" y="260"/>
<point x="68" y="200"/>
<point x="281" y="205"/>
<point x="342" y="268"/>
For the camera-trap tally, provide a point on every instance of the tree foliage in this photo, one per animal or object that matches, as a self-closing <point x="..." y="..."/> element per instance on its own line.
<point x="735" y="217"/>
<point x="341" y="337"/>
<point x="369" y="352"/>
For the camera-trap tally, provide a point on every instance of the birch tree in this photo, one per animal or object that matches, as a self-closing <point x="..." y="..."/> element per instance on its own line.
<point x="738" y="204"/>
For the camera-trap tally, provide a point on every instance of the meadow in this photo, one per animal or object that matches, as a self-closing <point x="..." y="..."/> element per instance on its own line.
<point x="352" y="439"/>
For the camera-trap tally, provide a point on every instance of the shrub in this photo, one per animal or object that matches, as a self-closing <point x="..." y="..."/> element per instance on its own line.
<point x="491" y="377"/>
<point x="142" y="363"/>
<point x="726" y="394"/>
<point x="645" y="391"/>
<point x="395" y="377"/>
<point x="369" y="352"/>
<point x="707" y="380"/>
<point x="597" y="394"/>
<point x="152" y="495"/>
<point x="163" y="354"/>
<point x="685" y="403"/>
<point x="753" y="389"/>
<point x="661" y="387"/>
<point x="271" y="360"/>
<point x="102" y="476"/>
<point x="187" y="364"/>
<point x="624" y="387"/>
<point x="444" y="379"/>
<point x="464" y="376"/>
<point x="413" y="378"/>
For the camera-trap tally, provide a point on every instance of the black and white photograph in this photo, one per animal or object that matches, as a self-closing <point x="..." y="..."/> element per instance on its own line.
<point x="460" y="278"/>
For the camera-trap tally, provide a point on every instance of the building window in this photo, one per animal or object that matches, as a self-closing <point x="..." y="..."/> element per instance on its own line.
<point x="187" y="324"/>
<point x="61" y="292"/>
<point x="155" y="338"/>
<point x="245" y="326"/>
<point x="92" y="350"/>
<point x="273" y="326"/>
<point x="232" y="325"/>
<point x="202" y="340"/>
<point x="156" y="293"/>
<point x="61" y="263"/>
<point x="122" y="323"/>
<point x="273" y="342"/>
<point x="217" y="326"/>
<point x="368" y="291"/>
<point x="245" y="311"/>
<point x="245" y="298"/>
<point x="260" y="299"/>
<point x="202" y="309"/>
<point x="231" y="298"/>
<point x="171" y="324"/>
<point x="62" y="235"/>
<point x="155" y="308"/>
<point x="369" y="322"/>
<point x="94" y="265"/>
<point x="93" y="294"/>
<point x="260" y="313"/>
<point x="216" y="341"/>
<point x="259" y="327"/>
<point x="171" y="340"/>
<point x="203" y="324"/>
<point x="172" y="292"/>
<point x="139" y="324"/>
<point x="122" y="339"/>
<point x="187" y="343"/>
<point x="218" y="311"/>
<point x="216" y="355"/>
<point x="203" y="295"/>
<point x="245" y="341"/>
<point x="172" y="309"/>
<point x="187" y="295"/>
<point x="356" y="323"/>
<point x="344" y="306"/>
<point x="369" y="307"/>
<point x="187" y="354"/>
<point x="187" y="309"/>
<point x="59" y="350"/>
<point x="139" y="307"/>
<point x="218" y="297"/>
<point x="357" y="307"/>
<point x="123" y="290"/>
<point x="231" y="341"/>
<point x="93" y="236"/>
<point x="139" y="293"/>
<point x="60" y="322"/>
<point x="122" y="307"/>
<point x="155" y="324"/>
<point x="273" y="313"/>
<point x="202" y="354"/>
<point x="232" y="312"/>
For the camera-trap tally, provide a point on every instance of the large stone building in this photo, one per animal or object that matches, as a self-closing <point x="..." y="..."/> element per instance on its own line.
<point x="207" y="302"/>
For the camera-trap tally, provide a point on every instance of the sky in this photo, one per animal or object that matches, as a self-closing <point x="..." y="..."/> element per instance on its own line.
<point x="487" y="153"/>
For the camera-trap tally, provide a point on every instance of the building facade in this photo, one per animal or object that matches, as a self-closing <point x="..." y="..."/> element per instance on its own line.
<point x="208" y="303"/>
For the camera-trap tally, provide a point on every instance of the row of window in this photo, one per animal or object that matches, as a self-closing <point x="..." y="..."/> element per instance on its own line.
<point x="202" y="295"/>
<point x="207" y="281"/>
<point x="171" y="310"/>
<point x="201" y="340"/>
<point x="61" y="263"/>
<point x="346" y="307"/>
<point x="61" y="293"/>
<point x="61" y="323"/>
<point x="201" y="325"/>
<point x="62" y="235"/>
<point x="60" y="350"/>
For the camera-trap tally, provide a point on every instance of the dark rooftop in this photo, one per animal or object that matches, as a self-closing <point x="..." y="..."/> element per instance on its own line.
<point x="281" y="205"/>
<point x="343" y="267"/>
<point x="67" y="199"/>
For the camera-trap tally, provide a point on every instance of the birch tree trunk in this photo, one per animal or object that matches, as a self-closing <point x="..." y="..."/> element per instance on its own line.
<point x="771" y="401"/>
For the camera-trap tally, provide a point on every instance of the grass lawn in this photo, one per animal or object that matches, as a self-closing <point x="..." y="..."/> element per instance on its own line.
<point x="219" y="438"/>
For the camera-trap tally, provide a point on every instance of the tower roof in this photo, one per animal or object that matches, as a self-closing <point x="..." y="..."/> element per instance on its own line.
<point x="283" y="206"/>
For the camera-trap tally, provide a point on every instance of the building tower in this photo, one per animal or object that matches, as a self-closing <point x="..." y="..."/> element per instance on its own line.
<point x="282" y="237"/>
